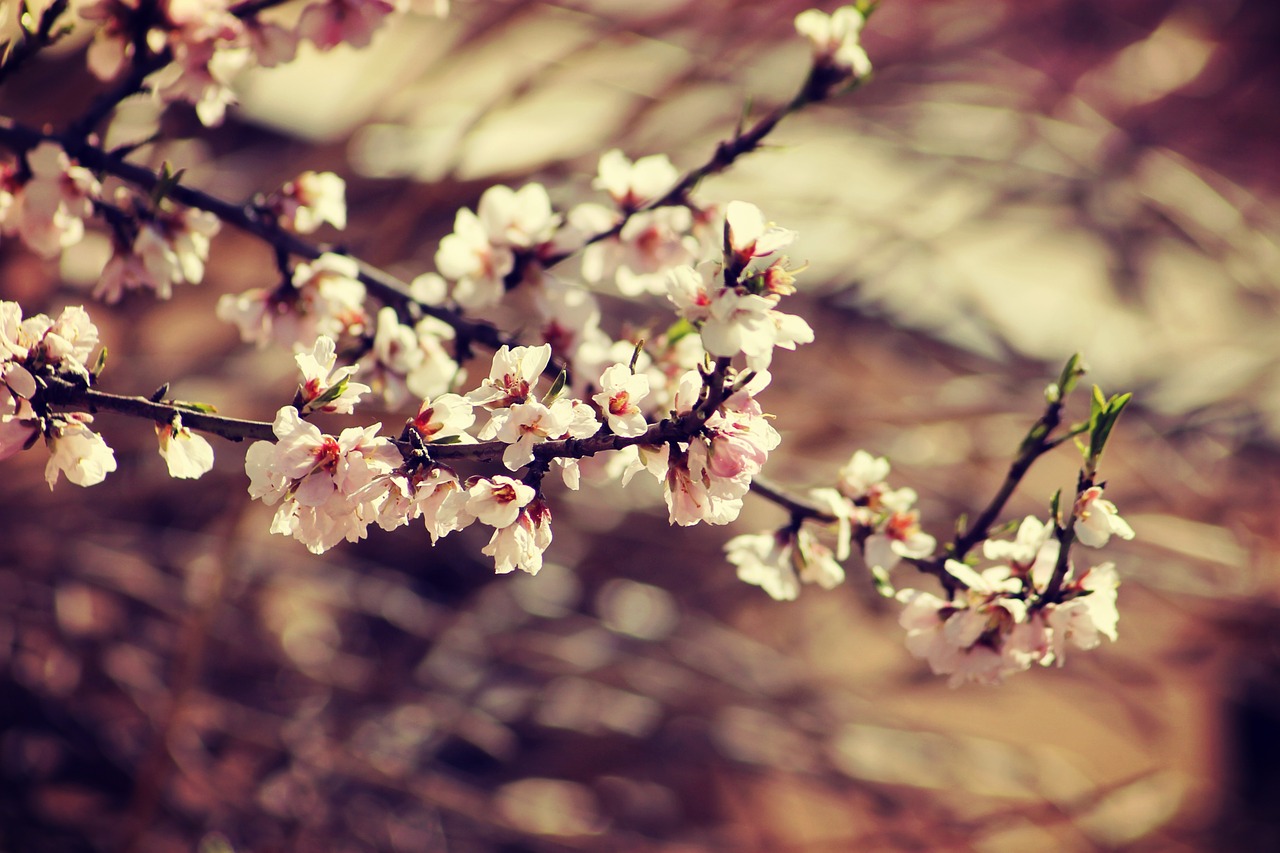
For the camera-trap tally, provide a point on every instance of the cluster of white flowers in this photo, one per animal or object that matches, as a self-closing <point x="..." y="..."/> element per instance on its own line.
<point x="482" y="250"/>
<point x="38" y="348"/>
<point x="996" y="622"/>
<point x="209" y="44"/>
<point x="322" y="298"/>
<point x="47" y="203"/>
<point x="835" y="39"/>
<point x="310" y="200"/>
<point x="739" y="315"/>
<point x="170" y="247"/>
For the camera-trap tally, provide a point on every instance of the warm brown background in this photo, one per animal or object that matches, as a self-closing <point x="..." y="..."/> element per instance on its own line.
<point x="1021" y="179"/>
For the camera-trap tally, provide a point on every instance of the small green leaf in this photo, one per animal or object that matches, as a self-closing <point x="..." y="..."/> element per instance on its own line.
<point x="202" y="408"/>
<point x="1055" y="505"/>
<point x="165" y="183"/>
<point x="1071" y="373"/>
<point x="101" y="364"/>
<point x="556" y="388"/>
<point x="881" y="579"/>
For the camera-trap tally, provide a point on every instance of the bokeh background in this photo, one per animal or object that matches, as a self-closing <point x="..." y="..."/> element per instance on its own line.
<point x="1020" y="180"/>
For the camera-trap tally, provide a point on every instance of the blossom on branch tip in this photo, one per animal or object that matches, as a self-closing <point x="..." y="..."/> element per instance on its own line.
<point x="1096" y="520"/>
<point x="835" y="39"/>
<point x="779" y="562"/>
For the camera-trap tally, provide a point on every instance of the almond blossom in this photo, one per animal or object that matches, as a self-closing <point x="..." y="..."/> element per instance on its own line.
<point x="621" y="391"/>
<point x="330" y="23"/>
<point x="481" y="251"/>
<point x="49" y="209"/>
<point x="324" y="297"/>
<point x="77" y="451"/>
<point x="408" y="361"/>
<point x="497" y="501"/>
<point x="631" y="184"/>
<point x="779" y="562"/>
<point x="310" y="200"/>
<point x="187" y="455"/>
<point x="325" y="386"/>
<point x="1097" y="520"/>
<point x="749" y="236"/>
<point x="169" y="249"/>
<point x="520" y="545"/>
<point x="320" y="482"/>
<point x="835" y="38"/>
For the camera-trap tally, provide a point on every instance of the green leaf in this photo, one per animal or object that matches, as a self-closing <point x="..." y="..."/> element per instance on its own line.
<point x="101" y="364"/>
<point x="202" y="408"/>
<point x="556" y="388"/>
<point x="1055" y="507"/>
<point x="165" y="183"/>
<point x="881" y="579"/>
<point x="1071" y="373"/>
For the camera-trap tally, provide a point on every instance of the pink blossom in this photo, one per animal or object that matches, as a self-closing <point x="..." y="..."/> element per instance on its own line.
<point x="835" y="38"/>
<point x="618" y="399"/>
<point x="310" y="200"/>
<point x="1096" y="520"/>
<point x="78" y="452"/>
<point x="497" y="501"/>
<point x="187" y="455"/>
<point x="520" y="545"/>
<point x="325" y="386"/>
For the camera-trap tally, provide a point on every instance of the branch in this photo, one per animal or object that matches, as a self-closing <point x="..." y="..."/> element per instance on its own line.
<point x="33" y="43"/>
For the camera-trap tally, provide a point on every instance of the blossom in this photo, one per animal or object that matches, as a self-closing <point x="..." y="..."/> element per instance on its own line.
<point x="1033" y="552"/>
<point x="1096" y="520"/>
<point x="78" y="452"/>
<point x="863" y="475"/>
<point x="497" y="501"/>
<point x="444" y="419"/>
<point x="749" y="236"/>
<point x="330" y="23"/>
<point x="520" y="545"/>
<point x="187" y="455"/>
<point x="835" y="38"/>
<point x="407" y="361"/>
<point x="324" y="297"/>
<point x="325" y="386"/>
<point x="779" y="562"/>
<point x="898" y="536"/>
<point x="48" y="211"/>
<point x="631" y="184"/>
<point x="310" y="200"/>
<point x="621" y="391"/>
<point x="512" y="376"/>
<point x="481" y="251"/>
<point x="19" y="426"/>
<point x="321" y="483"/>
<point x="169" y="249"/>
<point x="1084" y="620"/>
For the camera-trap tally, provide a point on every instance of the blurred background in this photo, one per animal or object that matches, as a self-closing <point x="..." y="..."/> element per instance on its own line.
<point x="1020" y="180"/>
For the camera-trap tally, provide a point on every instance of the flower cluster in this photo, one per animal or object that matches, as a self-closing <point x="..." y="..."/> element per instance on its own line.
<point x="999" y="621"/>
<point x="207" y="43"/>
<point x="45" y="200"/>
<point x="484" y="246"/>
<point x="733" y="305"/>
<point x="32" y="350"/>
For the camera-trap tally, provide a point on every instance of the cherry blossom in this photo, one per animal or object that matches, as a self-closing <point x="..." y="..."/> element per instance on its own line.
<point x="310" y="200"/>
<point x="835" y="38"/>
<point x="1085" y="619"/>
<point x="444" y="419"/>
<point x="77" y="451"/>
<point x="325" y="386"/>
<point x="324" y="297"/>
<point x="618" y="399"/>
<point x="520" y="545"/>
<point x="512" y="376"/>
<point x="1096" y="519"/>
<point x="320" y="482"/>
<point x="187" y="455"/>
<point x="497" y="501"/>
